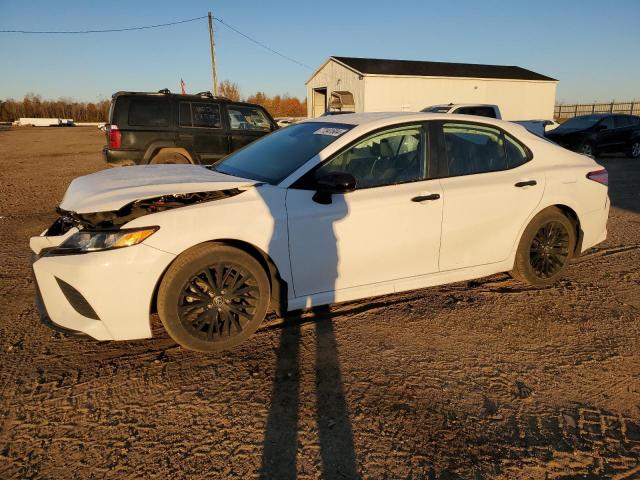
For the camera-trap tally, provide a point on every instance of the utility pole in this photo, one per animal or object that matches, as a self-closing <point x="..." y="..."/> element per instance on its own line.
<point x="213" y="56"/>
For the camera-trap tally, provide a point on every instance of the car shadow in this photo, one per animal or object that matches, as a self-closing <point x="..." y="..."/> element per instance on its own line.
<point x="624" y="177"/>
<point x="335" y="434"/>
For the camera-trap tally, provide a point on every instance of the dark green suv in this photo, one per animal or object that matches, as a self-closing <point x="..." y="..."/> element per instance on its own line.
<point x="165" y="127"/>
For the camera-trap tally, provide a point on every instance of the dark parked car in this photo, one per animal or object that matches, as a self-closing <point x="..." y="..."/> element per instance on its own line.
<point x="599" y="133"/>
<point x="169" y="128"/>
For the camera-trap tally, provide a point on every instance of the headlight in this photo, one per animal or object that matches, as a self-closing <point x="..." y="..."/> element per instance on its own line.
<point x="96" y="240"/>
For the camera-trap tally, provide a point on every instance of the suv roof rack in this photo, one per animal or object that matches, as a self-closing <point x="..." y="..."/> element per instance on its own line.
<point x="211" y="95"/>
<point x="164" y="90"/>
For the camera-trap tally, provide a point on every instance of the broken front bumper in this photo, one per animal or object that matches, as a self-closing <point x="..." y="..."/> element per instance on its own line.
<point x="42" y="310"/>
<point x="106" y="295"/>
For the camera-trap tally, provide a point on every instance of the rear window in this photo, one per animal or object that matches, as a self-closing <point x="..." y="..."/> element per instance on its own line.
<point x="149" y="112"/>
<point x="479" y="111"/>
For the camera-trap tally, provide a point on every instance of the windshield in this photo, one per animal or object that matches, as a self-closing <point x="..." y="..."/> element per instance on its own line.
<point x="274" y="157"/>
<point x="436" y="109"/>
<point x="580" y="123"/>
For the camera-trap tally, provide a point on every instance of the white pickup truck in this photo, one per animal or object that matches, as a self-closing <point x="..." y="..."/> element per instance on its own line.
<point x="539" y="127"/>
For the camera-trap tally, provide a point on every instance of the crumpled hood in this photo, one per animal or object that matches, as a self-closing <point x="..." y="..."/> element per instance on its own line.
<point x="111" y="189"/>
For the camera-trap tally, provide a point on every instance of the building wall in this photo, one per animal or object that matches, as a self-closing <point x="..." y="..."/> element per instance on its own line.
<point x="517" y="99"/>
<point x="335" y="77"/>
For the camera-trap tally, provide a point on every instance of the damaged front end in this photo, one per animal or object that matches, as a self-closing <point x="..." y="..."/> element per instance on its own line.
<point x="115" y="219"/>
<point x="103" y="230"/>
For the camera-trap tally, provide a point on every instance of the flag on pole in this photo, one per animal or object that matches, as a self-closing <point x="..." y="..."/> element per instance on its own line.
<point x="183" y="87"/>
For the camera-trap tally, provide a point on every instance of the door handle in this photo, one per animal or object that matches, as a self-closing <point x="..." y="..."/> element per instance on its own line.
<point x="423" y="198"/>
<point x="528" y="183"/>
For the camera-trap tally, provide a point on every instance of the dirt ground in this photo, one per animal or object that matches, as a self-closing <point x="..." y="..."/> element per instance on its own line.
<point x="477" y="380"/>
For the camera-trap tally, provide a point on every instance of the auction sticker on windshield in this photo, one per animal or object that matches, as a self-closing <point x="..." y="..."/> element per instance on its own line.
<point x="334" y="132"/>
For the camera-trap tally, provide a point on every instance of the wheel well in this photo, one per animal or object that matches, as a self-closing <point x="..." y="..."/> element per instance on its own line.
<point x="571" y="214"/>
<point x="181" y="151"/>
<point x="278" y="303"/>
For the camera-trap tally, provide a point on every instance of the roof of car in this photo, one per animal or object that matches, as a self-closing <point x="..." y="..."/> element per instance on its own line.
<point x="389" y="118"/>
<point x="361" y="118"/>
<point x="378" y="66"/>
<point x="204" y="96"/>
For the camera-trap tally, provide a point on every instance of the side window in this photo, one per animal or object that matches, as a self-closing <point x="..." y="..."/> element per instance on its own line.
<point x="386" y="158"/>
<point x="634" y="121"/>
<point x="620" y="121"/>
<point x="607" y="123"/>
<point x="516" y="153"/>
<point x="248" y="118"/>
<point x="206" y="115"/>
<point x="149" y="113"/>
<point x="185" y="114"/>
<point x="473" y="149"/>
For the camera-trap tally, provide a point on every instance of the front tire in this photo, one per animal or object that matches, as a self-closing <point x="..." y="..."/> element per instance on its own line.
<point x="587" y="148"/>
<point x="213" y="297"/>
<point x="545" y="248"/>
<point x="634" y="149"/>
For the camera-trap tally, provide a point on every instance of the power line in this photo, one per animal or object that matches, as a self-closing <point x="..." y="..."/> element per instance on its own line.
<point x="160" y="25"/>
<point x="261" y="44"/>
<point x="109" y="30"/>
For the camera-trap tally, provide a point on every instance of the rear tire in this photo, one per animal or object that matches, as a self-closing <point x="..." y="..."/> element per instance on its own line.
<point x="213" y="297"/>
<point x="545" y="248"/>
<point x="634" y="149"/>
<point x="169" y="158"/>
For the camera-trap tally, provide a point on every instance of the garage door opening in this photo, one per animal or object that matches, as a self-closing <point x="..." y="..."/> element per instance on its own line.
<point x="342" y="102"/>
<point x="319" y="101"/>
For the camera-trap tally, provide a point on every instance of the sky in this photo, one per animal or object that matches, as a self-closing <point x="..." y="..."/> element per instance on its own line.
<point x="592" y="47"/>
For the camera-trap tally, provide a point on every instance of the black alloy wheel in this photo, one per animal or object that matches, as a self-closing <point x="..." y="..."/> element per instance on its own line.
<point x="546" y="246"/>
<point x="218" y="302"/>
<point x="549" y="250"/>
<point x="213" y="297"/>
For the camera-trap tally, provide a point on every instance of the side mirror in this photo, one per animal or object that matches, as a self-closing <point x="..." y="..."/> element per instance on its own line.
<point x="333" y="182"/>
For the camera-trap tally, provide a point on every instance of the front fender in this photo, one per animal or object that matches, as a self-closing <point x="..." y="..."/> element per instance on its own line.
<point x="256" y="216"/>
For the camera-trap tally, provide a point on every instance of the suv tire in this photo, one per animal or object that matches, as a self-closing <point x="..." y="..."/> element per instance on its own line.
<point x="169" y="157"/>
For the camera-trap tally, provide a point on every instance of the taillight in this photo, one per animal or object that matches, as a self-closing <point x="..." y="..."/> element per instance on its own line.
<point x="600" y="176"/>
<point x="115" y="137"/>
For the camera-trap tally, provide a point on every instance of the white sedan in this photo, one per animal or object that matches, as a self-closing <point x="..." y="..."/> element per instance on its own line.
<point x="327" y="210"/>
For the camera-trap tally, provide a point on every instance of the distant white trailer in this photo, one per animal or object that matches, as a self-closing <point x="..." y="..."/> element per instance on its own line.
<point x="40" y="122"/>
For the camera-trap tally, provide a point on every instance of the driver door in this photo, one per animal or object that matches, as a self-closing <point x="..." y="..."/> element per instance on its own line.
<point x="387" y="229"/>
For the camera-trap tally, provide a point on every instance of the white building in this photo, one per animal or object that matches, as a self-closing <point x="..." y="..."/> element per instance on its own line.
<point x="374" y="85"/>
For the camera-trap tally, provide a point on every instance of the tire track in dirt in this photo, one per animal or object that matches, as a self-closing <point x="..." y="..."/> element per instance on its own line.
<point x="485" y="379"/>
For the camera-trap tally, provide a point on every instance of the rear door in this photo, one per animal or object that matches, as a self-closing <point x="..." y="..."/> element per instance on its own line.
<point x="246" y="124"/>
<point x="607" y="134"/>
<point x="624" y="126"/>
<point x="201" y="130"/>
<point x="489" y="189"/>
